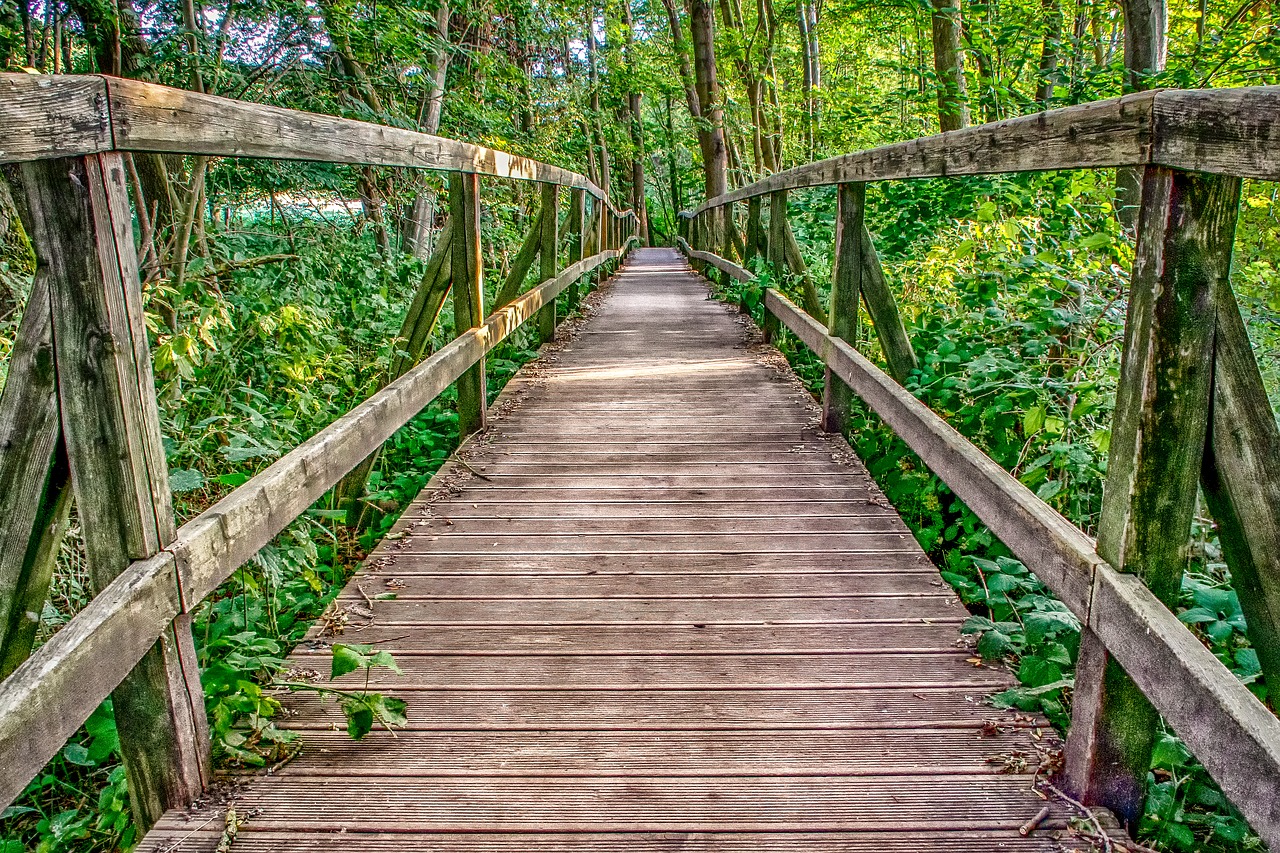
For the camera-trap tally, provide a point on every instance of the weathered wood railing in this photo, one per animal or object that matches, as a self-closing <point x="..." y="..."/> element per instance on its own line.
<point x="1191" y="412"/>
<point x="80" y="378"/>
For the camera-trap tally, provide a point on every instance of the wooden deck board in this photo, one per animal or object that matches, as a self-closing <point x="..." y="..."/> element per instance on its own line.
<point x="661" y="611"/>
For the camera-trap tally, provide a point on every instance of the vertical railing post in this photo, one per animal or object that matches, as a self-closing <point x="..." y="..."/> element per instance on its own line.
<point x="778" y="233"/>
<point x="846" y="289"/>
<point x="725" y="249"/>
<point x="83" y="230"/>
<point x="752" y="240"/>
<point x="468" y="293"/>
<point x="577" y="239"/>
<point x="1185" y="234"/>
<point x="547" y="257"/>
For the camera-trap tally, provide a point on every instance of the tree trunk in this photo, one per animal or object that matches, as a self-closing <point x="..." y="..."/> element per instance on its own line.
<point x="638" y="203"/>
<point x="948" y="64"/>
<point x="597" y="127"/>
<point x="420" y="218"/>
<point x="1049" y="51"/>
<point x="1146" y="24"/>
<point x="715" y="156"/>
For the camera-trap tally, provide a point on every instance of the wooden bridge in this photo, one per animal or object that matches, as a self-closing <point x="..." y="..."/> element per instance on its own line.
<point x="652" y="605"/>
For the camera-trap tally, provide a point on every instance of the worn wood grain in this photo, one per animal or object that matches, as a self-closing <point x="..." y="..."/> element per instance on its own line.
<point x="1186" y="231"/>
<point x="149" y="117"/>
<point x="1116" y="132"/>
<point x="46" y="116"/>
<point x="83" y="238"/>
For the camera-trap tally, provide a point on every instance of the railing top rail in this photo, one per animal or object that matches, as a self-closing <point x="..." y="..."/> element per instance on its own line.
<point x="45" y="116"/>
<point x="1224" y="131"/>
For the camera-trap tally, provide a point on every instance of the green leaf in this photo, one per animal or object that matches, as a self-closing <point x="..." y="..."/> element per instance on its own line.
<point x="1033" y="420"/>
<point x="78" y="754"/>
<point x="993" y="645"/>
<point x="384" y="658"/>
<point x="346" y="659"/>
<point x="233" y="480"/>
<point x="359" y="717"/>
<point x="185" y="480"/>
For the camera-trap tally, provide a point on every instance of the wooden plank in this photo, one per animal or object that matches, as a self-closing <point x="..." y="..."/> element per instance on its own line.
<point x="262" y="839"/>
<point x="814" y="610"/>
<point x="656" y="804"/>
<point x="665" y="542"/>
<point x="893" y="752"/>
<point x="45" y="116"/>
<point x="596" y="524"/>
<point x="83" y="235"/>
<point x="416" y="586"/>
<point x="1185" y="236"/>
<point x="658" y="711"/>
<point x="149" y="117"/>
<point x="912" y="637"/>
<point x="1223" y="131"/>
<point x="1116" y="132"/>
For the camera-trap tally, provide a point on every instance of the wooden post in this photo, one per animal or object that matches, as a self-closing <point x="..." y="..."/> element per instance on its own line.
<point x="577" y="224"/>
<point x="898" y="354"/>
<point x="725" y="249"/>
<point x="1185" y="234"/>
<point x="753" y="230"/>
<point x="1242" y="484"/>
<point x="777" y="234"/>
<point x="468" y="293"/>
<point x="84" y="244"/>
<point x="34" y="493"/>
<point x="846" y="288"/>
<point x="546" y="317"/>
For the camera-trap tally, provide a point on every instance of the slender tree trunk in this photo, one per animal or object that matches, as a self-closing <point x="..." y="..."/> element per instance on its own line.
<point x="417" y="225"/>
<point x="1146" y="24"/>
<point x="638" y="203"/>
<point x="948" y="65"/>
<point x="1049" y="51"/>
<point x="597" y="126"/>
<point x="711" y="129"/>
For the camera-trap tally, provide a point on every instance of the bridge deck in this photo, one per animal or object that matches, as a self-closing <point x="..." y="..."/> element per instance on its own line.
<point x="660" y="612"/>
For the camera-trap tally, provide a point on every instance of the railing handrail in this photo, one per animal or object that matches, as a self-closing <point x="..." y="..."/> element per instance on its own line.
<point x="1226" y="727"/>
<point x="1220" y="131"/>
<point x="47" y="116"/>
<point x="54" y="691"/>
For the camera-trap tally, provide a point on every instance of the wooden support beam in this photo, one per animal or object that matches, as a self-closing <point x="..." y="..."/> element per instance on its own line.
<point x="468" y="293"/>
<point x="846" y="291"/>
<point x="777" y="235"/>
<point x="546" y="319"/>
<point x="522" y="262"/>
<point x="32" y="506"/>
<point x="83" y="237"/>
<point x="411" y="344"/>
<point x="577" y="237"/>
<point x="1185" y="232"/>
<point x="754" y="235"/>
<point x="1242" y="484"/>
<point x="898" y="352"/>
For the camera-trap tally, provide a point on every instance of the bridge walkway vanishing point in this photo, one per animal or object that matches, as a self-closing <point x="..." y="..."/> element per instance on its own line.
<point x="655" y="610"/>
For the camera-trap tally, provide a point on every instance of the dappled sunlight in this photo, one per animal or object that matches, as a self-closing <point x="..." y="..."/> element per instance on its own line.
<point x="638" y="370"/>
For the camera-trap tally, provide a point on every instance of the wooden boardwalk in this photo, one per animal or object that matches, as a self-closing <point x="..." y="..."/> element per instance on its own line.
<point x="662" y="612"/>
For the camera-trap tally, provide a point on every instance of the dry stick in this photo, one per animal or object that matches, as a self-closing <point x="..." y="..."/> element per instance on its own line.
<point x="1030" y="826"/>
<point x="1107" y="844"/>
